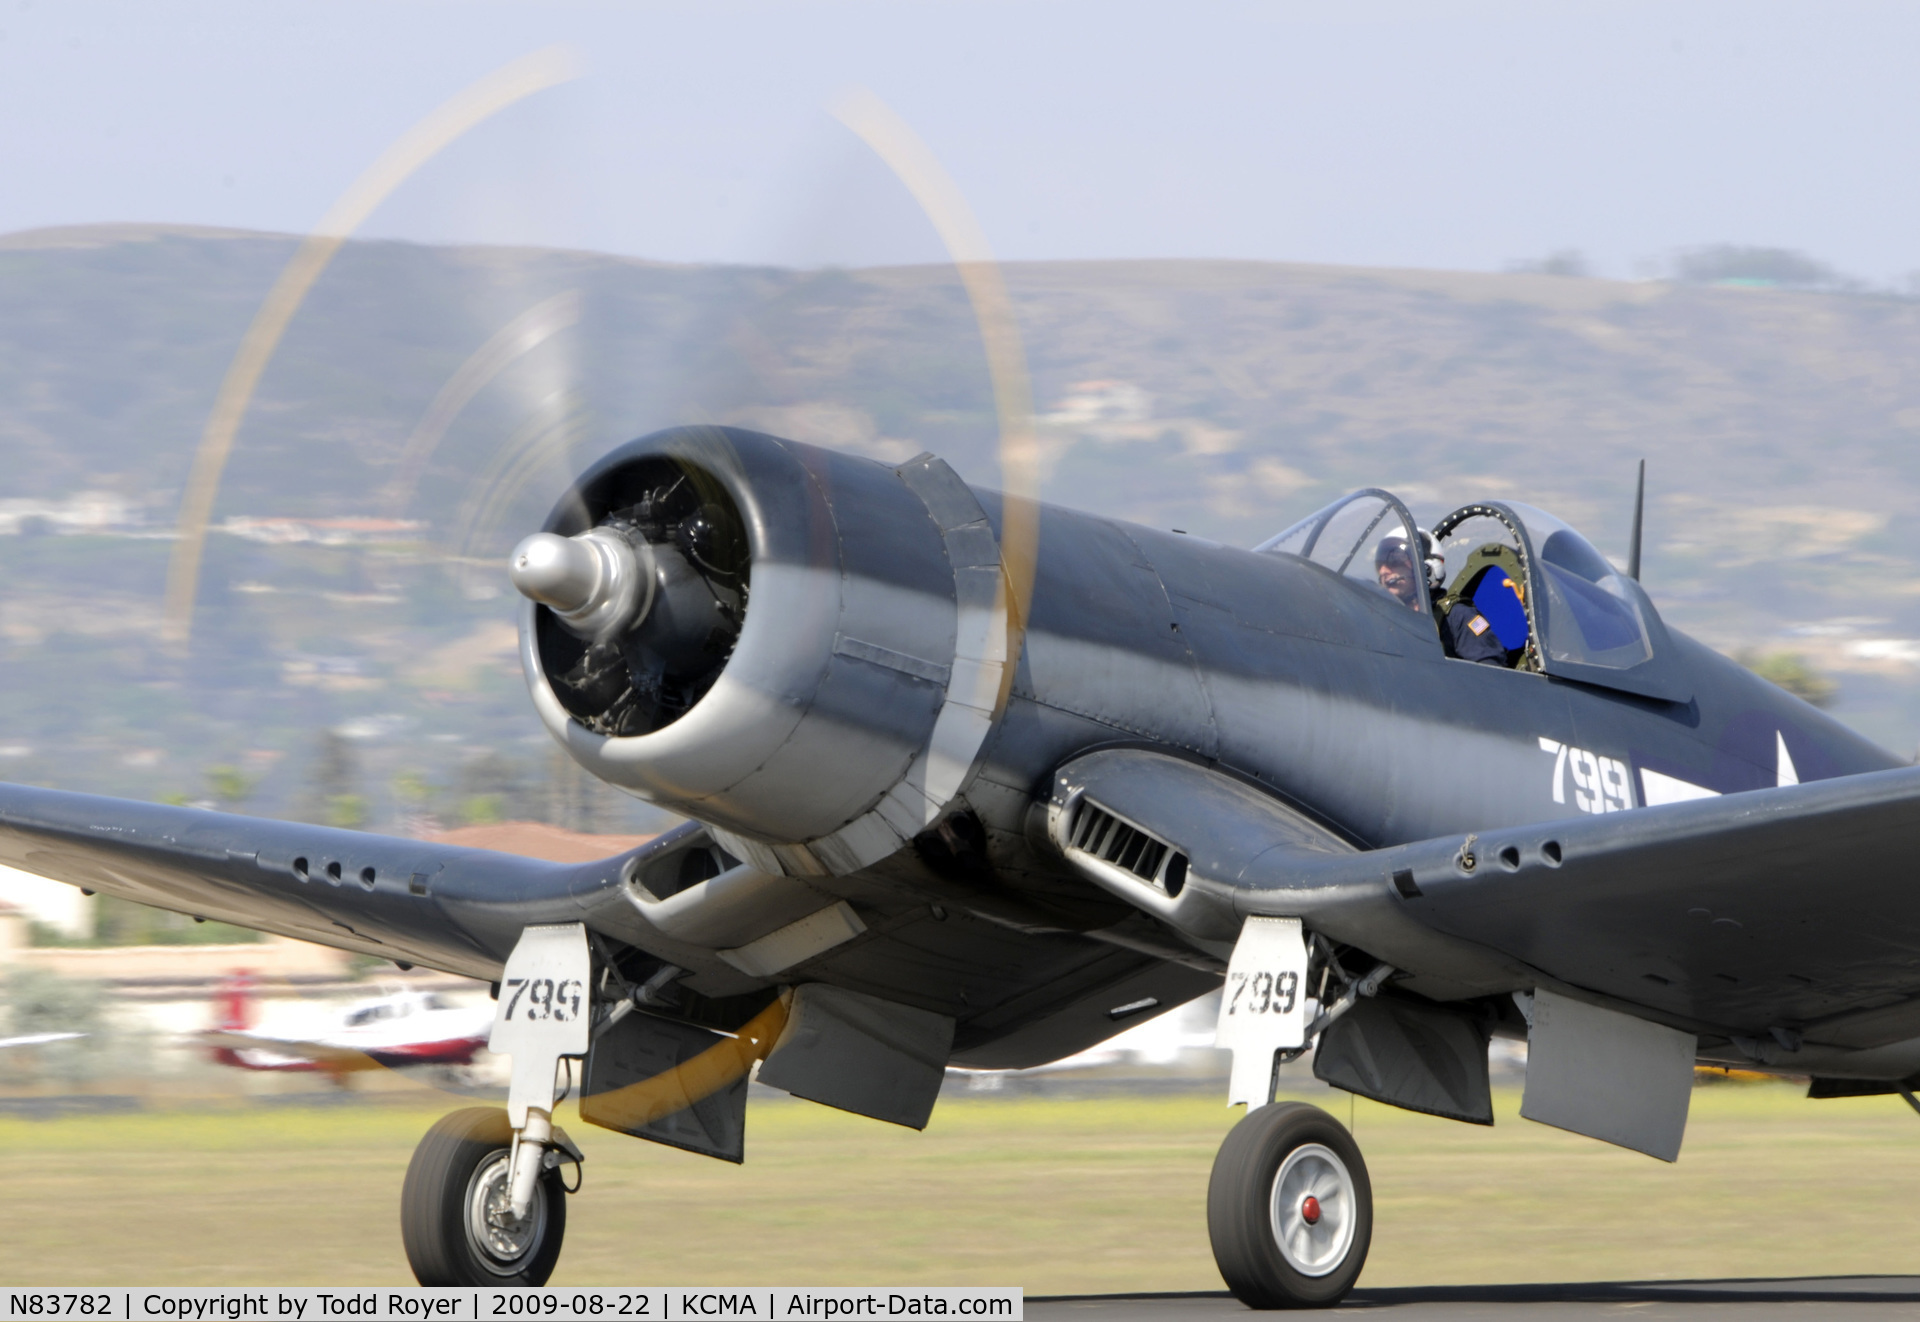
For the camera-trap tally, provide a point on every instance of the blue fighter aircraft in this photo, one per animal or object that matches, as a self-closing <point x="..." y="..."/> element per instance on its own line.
<point x="976" y="782"/>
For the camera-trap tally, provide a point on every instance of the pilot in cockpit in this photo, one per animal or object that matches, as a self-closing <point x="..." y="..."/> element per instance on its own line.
<point x="1393" y="566"/>
<point x="1468" y="633"/>
<point x="1484" y="615"/>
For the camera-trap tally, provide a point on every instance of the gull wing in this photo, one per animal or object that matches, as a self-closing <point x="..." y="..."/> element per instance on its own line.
<point x="1794" y="908"/>
<point x="444" y="907"/>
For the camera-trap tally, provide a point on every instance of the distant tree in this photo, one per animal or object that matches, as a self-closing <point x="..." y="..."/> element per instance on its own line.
<point x="42" y="1001"/>
<point x="414" y="794"/>
<point x="1791" y="672"/>
<point x="491" y="790"/>
<point x="229" y="786"/>
<point x="483" y="810"/>
<point x="1732" y="263"/>
<point x="333" y="795"/>
<point x="412" y="789"/>
<point x="576" y="799"/>
<point x="361" y="966"/>
<point x="1567" y="261"/>
<point x="118" y="922"/>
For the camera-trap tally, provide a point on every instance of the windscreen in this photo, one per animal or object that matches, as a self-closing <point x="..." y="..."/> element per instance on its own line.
<point x="1364" y="537"/>
<point x="1593" y="615"/>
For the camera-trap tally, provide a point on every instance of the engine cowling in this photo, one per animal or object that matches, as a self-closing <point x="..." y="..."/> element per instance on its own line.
<point x="802" y="649"/>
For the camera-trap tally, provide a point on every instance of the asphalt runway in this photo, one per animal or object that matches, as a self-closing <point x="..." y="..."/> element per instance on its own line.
<point x="1850" y="1298"/>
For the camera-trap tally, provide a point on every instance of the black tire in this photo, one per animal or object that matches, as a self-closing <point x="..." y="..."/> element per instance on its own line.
<point x="461" y="1153"/>
<point x="1244" y="1220"/>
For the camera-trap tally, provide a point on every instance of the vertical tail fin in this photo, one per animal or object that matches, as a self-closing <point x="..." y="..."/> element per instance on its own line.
<point x="233" y="1007"/>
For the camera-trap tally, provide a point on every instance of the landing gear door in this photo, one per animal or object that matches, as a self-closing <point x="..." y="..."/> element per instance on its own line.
<point x="1263" y="1008"/>
<point x="543" y="1013"/>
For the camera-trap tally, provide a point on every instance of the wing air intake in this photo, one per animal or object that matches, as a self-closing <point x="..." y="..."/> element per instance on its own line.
<point x="1108" y="838"/>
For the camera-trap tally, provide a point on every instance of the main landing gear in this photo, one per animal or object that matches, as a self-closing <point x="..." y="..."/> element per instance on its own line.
<point x="1289" y="1208"/>
<point x="456" y="1207"/>
<point x="484" y="1202"/>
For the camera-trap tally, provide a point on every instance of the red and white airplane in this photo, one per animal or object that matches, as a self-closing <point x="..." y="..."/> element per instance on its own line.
<point x="398" y="1030"/>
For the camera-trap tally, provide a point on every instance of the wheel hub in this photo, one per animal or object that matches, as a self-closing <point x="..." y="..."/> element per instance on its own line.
<point x="1313" y="1208"/>
<point x="502" y="1239"/>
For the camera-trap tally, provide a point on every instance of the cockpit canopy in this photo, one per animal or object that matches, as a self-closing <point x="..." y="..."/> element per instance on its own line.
<point x="1604" y="607"/>
<point x="1367" y="537"/>
<point x="1554" y="603"/>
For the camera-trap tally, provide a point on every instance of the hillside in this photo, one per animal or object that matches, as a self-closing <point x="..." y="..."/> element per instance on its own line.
<point x="1224" y="398"/>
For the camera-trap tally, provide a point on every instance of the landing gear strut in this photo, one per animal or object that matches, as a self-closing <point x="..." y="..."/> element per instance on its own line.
<point x="456" y="1218"/>
<point x="1289" y="1208"/>
<point x="484" y="1203"/>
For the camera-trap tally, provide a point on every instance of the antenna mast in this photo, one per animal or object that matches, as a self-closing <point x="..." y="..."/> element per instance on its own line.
<point x="1639" y="506"/>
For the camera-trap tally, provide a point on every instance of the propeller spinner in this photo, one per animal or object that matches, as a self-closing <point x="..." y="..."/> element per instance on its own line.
<point x="599" y="583"/>
<point x="642" y="609"/>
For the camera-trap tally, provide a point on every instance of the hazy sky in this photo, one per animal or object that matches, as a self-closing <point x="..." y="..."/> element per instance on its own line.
<point x="1420" y="134"/>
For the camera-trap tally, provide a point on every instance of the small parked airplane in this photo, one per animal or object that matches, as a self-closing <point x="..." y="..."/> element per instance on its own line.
<point x="37" y="1039"/>
<point x="398" y="1030"/>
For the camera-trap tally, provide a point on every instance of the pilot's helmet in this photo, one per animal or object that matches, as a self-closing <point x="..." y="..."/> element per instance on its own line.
<point x="1394" y="547"/>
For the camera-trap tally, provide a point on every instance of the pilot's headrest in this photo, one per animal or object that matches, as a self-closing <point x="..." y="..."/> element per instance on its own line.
<point x="1485" y="557"/>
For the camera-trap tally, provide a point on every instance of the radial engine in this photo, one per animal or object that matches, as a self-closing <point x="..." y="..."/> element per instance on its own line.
<point x="720" y="622"/>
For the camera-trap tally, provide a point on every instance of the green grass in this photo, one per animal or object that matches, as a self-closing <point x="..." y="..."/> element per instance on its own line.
<point x="1054" y="1196"/>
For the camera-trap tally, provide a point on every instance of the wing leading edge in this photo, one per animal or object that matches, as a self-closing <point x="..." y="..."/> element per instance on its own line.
<point x="1778" y="915"/>
<point x="1782" y="916"/>
<point x="458" y="910"/>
